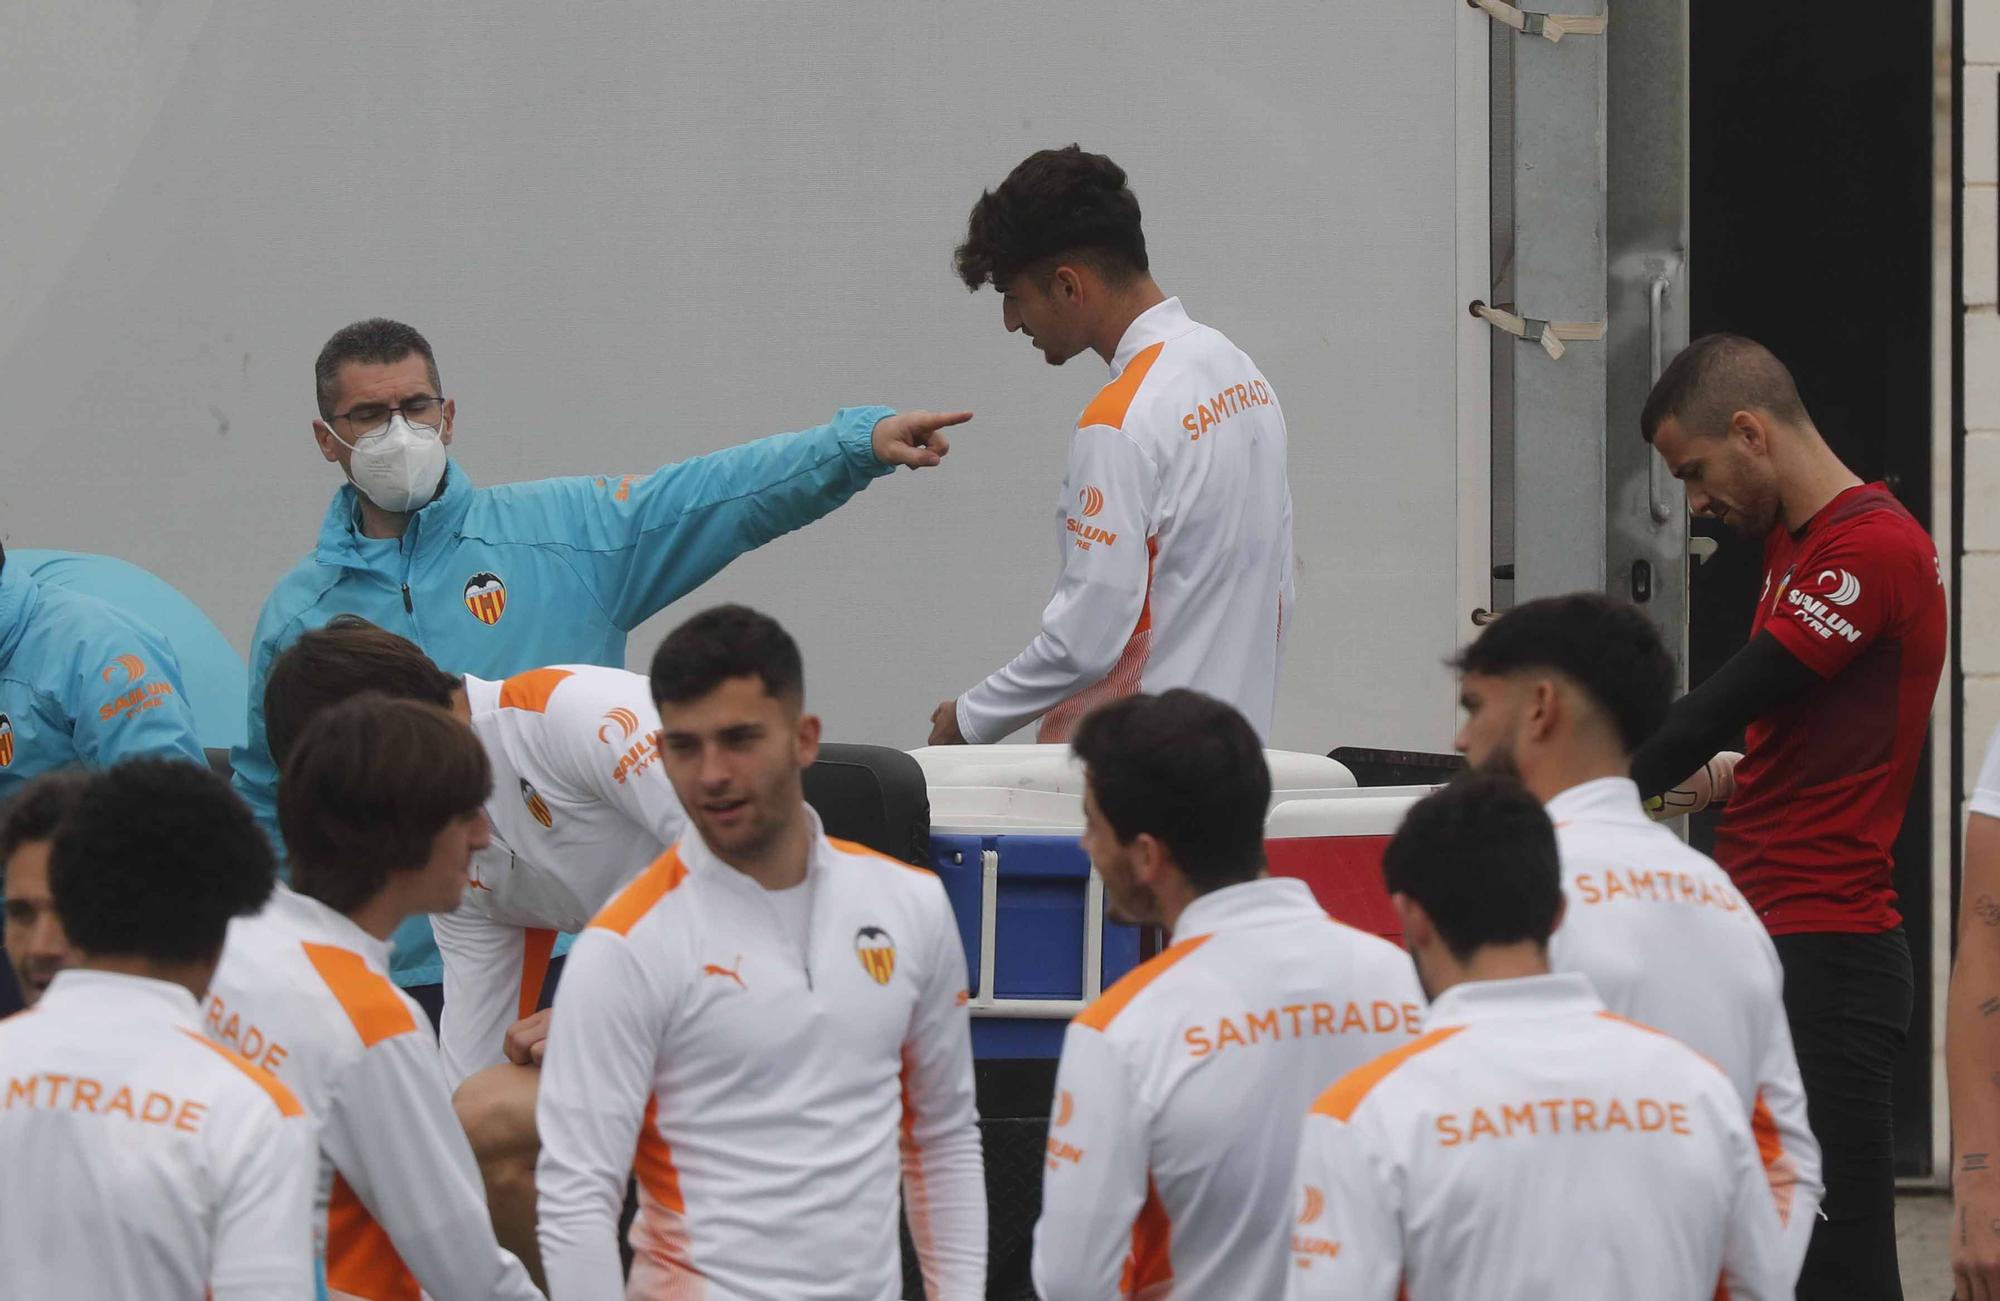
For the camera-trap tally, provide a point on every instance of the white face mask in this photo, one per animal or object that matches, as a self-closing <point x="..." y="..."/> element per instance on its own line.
<point x="397" y="465"/>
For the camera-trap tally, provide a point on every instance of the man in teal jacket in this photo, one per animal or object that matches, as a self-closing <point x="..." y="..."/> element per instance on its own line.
<point x="81" y="682"/>
<point x="494" y="581"/>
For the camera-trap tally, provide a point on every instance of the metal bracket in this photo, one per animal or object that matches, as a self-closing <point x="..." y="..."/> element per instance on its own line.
<point x="984" y="1002"/>
<point x="1551" y="27"/>
<point x="1550" y="334"/>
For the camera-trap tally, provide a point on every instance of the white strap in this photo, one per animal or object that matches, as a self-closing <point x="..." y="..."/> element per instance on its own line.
<point x="1550" y="334"/>
<point x="1553" y="27"/>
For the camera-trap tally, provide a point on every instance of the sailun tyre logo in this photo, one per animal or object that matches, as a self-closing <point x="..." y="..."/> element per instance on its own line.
<point x="6" y="741"/>
<point x="1314" y="1204"/>
<point x="1090" y="501"/>
<point x="131" y="666"/>
<point x="486" y="597"/>
<point x="621" y="718"/>
<point x="1847" y="592"/>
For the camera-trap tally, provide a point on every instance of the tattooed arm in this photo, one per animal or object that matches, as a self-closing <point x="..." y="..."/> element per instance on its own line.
<point x="1972" y="1065"/>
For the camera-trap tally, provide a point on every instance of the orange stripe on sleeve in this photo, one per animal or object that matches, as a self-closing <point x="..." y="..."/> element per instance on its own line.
<point x="1347" y="1093"/>
<point x="361" y="1261"/>
<point x="1778" y="1167"/>
<point x="1109" y="1004"/>
<point x="370" y="1001"/>
<point x="653" y="1163"/>
<point x="536" y="947"/>
<point x="1150" y="1266"/>
<point x="531" y="690"/>
<point x="1115" y="399"/>
<point x="288" y="1105"/>
<point x="646" y="889"/>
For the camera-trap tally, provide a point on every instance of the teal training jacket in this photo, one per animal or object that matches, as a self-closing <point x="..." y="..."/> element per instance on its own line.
<point x="495" y="581"/>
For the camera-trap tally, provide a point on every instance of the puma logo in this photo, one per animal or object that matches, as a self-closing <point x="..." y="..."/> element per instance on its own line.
<point x="710" y="969"/>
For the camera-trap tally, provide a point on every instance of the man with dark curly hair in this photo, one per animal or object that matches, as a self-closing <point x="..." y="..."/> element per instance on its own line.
<point x="1174" y="523"/>
<point x="163" y="1165"/>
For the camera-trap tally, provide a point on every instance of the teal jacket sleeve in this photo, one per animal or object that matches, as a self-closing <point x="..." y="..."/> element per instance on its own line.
<point x="642" y="542"/>
<point x="253" y="774"/>
<point x="127" y="700"/>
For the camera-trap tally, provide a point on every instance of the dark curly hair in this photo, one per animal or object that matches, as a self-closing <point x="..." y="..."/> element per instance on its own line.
<point x="1057" y="202"/>
<point x="728" y="641"/>
<point x="1608" y="648"/>
<point x="1480" y="856"/>
<point x="154" y="859"/>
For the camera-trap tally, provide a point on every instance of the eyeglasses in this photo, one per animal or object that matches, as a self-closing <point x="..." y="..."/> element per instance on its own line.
<point x="420" y="410"/>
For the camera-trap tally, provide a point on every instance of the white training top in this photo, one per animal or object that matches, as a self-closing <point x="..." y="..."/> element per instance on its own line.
<point x="1667" y="940"/>
<point x="1986" y="792"/>
<point x="1174" y="534"/>
<point x="306" y="993"/>
<point x="1182" y="1089"/>
<point x="142" y="1160"/>
<point x="1532" y="1146"/>
<point x="580" y="806"/>
<point x="769" y="1091"/>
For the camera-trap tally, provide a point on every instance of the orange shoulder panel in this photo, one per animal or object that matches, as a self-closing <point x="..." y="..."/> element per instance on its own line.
<point x="638" y="898"/>
<point x="1641" y="1025"/>
<point x="1115" y="399"/>
<point x="370" y="1001"/>
<point x="288" y="1105"/>
<point x="531" y="690"/>
<point x="856" y="847"/>
<point x="1112" y="1001"/>
<point x="1348" y="1091"/>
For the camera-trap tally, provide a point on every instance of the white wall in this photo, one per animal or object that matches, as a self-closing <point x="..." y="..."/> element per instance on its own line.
<point x="637" y="231"/>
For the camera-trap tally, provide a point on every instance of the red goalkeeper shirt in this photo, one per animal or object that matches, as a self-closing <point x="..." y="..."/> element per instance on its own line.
<point x="1858" y="597"/>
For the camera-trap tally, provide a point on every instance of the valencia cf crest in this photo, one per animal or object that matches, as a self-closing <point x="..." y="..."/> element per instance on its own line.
<point x="486" y="596"/>
<point x="6" y="741"/>
<point x="537" y="806"/>
<point x="877" y="953"/>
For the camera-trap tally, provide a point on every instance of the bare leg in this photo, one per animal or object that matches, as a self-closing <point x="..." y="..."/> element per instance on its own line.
<point x="497" y="1108"/>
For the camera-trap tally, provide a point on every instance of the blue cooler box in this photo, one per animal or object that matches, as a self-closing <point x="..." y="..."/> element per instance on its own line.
<point x="1030" y="968"/>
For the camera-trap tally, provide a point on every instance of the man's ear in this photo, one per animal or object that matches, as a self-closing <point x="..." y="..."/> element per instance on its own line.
<point x="1067" y="284"/>
<point x="450" y="419"/>
<point x="1545" y="706"/>
<point x="329" y="446"/>
<point x="1418" y="930"/>
<point x="807" y="748"/>
<point x="1149" y="859"/>
<point x="1753" y="429"/>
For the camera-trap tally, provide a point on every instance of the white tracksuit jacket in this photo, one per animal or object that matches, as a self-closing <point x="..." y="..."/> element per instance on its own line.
<point x="772" y="1096"/>
<point x="1667" y="940"/>
<point x="1174" y="534"/>
<point x="1533" y="1146"/>
<point x="306" y="993"/>
<point x="1182" y="1089"/>
<point x="140" y="1160"/>
<point x="580" y="806"/>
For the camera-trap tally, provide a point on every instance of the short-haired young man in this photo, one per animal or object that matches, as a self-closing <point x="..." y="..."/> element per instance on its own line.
<point x="768" y="1018"/>
<point x="37" y="948"/>
<point x="143" y="1160"/>
<point x="1558" y="693"/>
<point x="1833" y="694"/>
<point x="578" y="808"/>
<point x="1174" y="522"/>
<point x="380" y="809"/>
<point x="1182" y="1089"/>
<point x="1531" y="1145"/>
<point x="501" y="579"/>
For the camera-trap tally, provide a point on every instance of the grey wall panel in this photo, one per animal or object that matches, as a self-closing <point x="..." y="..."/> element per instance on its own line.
<point x="638" y="231"/>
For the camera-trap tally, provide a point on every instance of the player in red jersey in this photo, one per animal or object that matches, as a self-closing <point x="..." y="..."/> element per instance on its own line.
<point x="1834" y="693"/>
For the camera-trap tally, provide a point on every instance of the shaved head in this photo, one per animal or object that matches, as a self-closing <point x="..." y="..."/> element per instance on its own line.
<point x="1715" y="377"/>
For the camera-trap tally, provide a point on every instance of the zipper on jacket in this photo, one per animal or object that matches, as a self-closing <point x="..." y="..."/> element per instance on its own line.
<point x="407" y="607"/>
